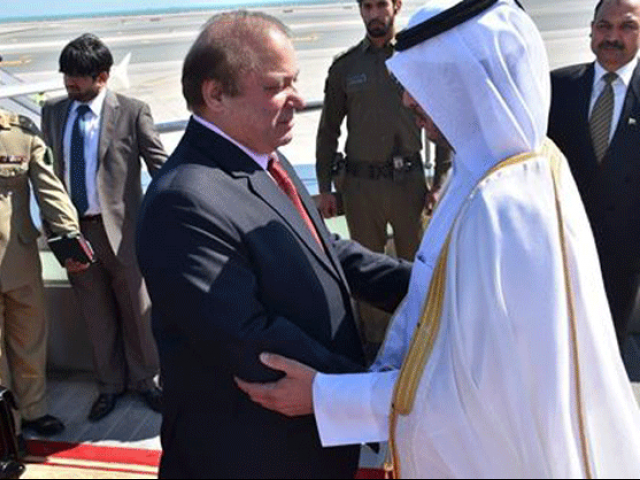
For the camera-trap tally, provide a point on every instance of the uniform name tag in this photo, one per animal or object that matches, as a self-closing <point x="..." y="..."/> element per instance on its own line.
<point x="12" y="159"/>
<point x="356" y="79"/>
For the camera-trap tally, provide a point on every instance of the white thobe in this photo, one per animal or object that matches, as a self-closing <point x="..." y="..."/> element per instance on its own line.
<point x="497" y="397"/>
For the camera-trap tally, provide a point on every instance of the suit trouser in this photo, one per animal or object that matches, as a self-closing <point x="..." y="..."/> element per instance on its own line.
<point x="621" y="285"/>
<point x="23" y="348"/>
<point x="370" y="205"/>
<point x="117" y="310"/>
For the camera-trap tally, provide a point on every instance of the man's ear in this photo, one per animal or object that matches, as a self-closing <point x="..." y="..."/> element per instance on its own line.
<point x="212" y="94"/>
<point x="397" y="6"/>
<point x="102" y="79"/>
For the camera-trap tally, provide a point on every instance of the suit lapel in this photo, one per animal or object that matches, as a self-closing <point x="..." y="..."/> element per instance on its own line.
<point x="63" y="109"/>
<point x="585" y="87"/>
<point x="317" y="220"/>
<point x="266" y="188"/>
<point x="238" y="164"/>
<point x="630" y="102"/>
<point x="635" y="83"/>
<point x="107" y="125"/>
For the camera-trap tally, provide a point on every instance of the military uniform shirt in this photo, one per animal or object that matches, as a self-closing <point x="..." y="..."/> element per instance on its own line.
<point x="379" y="126"/>
<point x="24" y="161"/>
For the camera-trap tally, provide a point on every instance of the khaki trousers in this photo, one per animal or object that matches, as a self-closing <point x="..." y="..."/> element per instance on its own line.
<point x="117" y="311"/>
<point x="23" y="348"/>
<point x="371" y="205"/>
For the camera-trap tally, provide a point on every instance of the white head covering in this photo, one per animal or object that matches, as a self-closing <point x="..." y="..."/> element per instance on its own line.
<point x="485" y="83"/>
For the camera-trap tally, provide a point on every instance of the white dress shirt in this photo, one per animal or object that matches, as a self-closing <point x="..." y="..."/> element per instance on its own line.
<point x="620" y="86"/>
<point x="260" y="159"/>
<point x="91" y="146"/>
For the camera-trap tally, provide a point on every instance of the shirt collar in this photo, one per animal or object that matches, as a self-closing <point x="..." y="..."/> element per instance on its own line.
<point x="624" y="73"/>
<point x="367" y="45"/>
<point x="261" y="159"/>
<point x="94" y="105"/>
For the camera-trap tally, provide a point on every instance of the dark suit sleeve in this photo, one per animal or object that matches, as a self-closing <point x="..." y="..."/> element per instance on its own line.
<point x="377" y="279"/>
<point x="204" y="287"/>
<point x="567" y="126"/>
<point x="149" y="143"/>
<point x="555" y="116"/>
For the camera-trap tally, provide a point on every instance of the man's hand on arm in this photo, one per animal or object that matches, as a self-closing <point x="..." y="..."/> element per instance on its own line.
<point x="292" y="395"/>
<point x="328" y="205"/>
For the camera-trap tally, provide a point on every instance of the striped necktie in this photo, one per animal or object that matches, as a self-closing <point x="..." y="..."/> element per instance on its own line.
<point x="78" y="163"/>
<point x="601" y="116"/>
<point x="283" y="180"/>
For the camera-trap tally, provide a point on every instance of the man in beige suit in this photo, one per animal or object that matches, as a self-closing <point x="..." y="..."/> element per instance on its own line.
<point x="98" y="138"/>
<point x="25" y="161"/>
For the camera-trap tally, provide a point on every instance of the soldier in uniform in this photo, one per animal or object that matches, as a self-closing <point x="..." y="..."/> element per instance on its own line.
<point x="383" y="181"/>
<point x="25" y="160"/>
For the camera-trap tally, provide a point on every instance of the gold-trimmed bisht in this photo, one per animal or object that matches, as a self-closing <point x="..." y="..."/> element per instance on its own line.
<point x="427" y="329"/>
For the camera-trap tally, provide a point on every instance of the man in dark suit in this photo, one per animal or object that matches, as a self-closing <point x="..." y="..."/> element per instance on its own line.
<point x="238" y="261"/>
<point x="98" y="138"/>
<point x="595" y="120"/>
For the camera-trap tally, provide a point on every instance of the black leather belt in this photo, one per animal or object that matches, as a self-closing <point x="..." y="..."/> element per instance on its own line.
<point x="388" y="169"/>
<point x="91" y="218"/>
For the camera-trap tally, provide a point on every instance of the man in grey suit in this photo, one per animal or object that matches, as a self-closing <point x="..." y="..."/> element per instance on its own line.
<point x="98" y="138"/>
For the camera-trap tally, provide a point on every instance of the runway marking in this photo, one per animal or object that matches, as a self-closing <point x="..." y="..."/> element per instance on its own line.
<point x="16" y="63"/>
<point x="185" y="35"/>
<point x="310" y="38"/>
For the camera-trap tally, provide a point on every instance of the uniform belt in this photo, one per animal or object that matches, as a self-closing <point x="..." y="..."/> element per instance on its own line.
<point x="375" y="170"/>
<point x="91" y="218"/>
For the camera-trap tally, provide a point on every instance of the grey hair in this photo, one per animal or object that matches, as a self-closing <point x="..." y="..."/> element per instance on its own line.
<point x="230" y="45"/>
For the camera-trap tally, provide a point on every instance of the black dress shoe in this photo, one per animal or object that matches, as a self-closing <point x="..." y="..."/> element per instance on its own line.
<point x="153" y="398"/>
<point x="11" y="469"/>
<point x="103" y="406"/>
<point x="45" y="426"/>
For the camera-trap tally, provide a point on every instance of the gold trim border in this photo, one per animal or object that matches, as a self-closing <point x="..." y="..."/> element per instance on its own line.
<point x="427" y="329"/>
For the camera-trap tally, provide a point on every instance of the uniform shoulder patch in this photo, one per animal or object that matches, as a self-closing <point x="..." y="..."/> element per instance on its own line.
<point x="9" y="120"/>
<point x="26" y="123"/>
<point x="346" y="53"/>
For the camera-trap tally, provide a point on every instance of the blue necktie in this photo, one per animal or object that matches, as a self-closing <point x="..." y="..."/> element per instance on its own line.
<point x="78" y="164"/>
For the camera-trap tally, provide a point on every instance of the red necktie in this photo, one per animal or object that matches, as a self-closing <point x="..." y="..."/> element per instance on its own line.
<point x="281" y="177"/>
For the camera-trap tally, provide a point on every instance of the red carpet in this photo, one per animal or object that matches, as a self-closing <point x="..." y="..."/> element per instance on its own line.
<point x="370" y="473"/>
<point x="93" y="457"/>
<point x="115" y="459"/>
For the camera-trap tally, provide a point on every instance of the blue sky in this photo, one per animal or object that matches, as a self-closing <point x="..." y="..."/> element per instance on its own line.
<point x="23" y="9"/>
